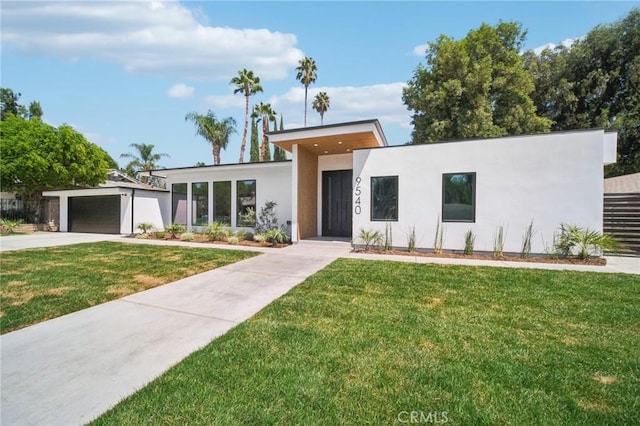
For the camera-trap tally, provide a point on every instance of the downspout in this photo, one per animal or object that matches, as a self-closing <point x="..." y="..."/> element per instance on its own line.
<point x="133" y="199"/>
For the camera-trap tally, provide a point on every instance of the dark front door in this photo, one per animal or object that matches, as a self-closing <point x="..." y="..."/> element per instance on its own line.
<point x="336" y="203"/>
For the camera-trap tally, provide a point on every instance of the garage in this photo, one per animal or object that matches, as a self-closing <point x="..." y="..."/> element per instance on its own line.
<point x="96" y="214"/>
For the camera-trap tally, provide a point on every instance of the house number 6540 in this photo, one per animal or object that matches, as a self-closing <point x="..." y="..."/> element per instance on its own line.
<point x="357" y="191"/>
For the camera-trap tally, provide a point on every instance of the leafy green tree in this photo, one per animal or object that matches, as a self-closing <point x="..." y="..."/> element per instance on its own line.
<point x="278" y="153"/>
<point x="10" y="104"/>
<point x="254" y="152"/>
<point x="216" y="132"/>
<point x="306" y="73"/>
<point x="38" y="157"/>
<point x="475" y="87"/>
<point x="263" y="112"/>
<point x="35" y="110"/>
<point x="143" y="160"/>
<point x="321" y="104"/>
<point x="199" y="164"/>
<point x="595" y="83"/>
<point x="248" y="84"/>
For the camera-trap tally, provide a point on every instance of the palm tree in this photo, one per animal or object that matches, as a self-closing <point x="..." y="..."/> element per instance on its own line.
<point x="265" y="113"/>
<point x="321" y="104"/>
<point x="215" y="132"/>
<point x="143" y="160"/>
<point x="247" y="84"/>
<point x="306" y="73"/>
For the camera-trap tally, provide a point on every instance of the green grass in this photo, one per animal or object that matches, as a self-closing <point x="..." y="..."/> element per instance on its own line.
<point x="361" y="342"/>
<point x="40" y="284"/>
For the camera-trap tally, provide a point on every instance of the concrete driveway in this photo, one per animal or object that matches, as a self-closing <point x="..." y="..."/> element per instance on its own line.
<point x="50" y="239"/>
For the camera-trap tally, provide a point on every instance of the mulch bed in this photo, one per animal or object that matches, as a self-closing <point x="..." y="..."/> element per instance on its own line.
<point x="202" y="239"/>
<point x="598" y="261"/>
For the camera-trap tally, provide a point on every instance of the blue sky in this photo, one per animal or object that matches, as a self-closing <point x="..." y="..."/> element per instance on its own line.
<point x="125" y="72"/>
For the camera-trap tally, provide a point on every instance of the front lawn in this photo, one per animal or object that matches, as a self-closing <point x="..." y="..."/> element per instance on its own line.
<point x="372" y="342"/>
<point x="40" y="284"/>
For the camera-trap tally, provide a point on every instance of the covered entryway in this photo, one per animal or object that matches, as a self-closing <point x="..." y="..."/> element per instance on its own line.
<point x="336" y="203"/>
<point x="97" y="214"/>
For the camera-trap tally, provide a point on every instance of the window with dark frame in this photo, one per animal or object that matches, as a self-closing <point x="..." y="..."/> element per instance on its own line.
<point x="222" y="202"/>
<point x="246" y="203"/>
<point x="199" y="203"/>
<point x="459" y="197"/>
<point x="179" y="203"/>
<point x="384" y="198"/>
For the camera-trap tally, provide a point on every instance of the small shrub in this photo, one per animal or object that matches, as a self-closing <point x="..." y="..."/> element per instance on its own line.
<point x="438" y="241"/>
<point x="388" y="237"/>
<point x="159" y="234"/>
<point x="174" y="229"/>
<point x="9" y="226"/>
<point x="233" y="239"/>
<point x="145" y="227"/>
<point x="259" y="238"/>
<point x="276" y="236"/>
<point x="267" y="218"/>
<point x="498" y="241"/>
<point x="187" y="236"/>
<point x="526" y="241"/>
<point x="469" y="241"/>
<point x="217" y="231"/>
<point x="142" y="236"/>
<point x="584" y="242"/>
<point x="248" y="235"/>
<point x="240" y="234"/>
<point x="370" y="238"/>
<point x="411" y="239"/>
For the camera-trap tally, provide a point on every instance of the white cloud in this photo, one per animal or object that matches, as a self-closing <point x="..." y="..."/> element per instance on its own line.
<point x="566" y="43"/>
<point x="159" y="38"/>
<point x="180" y="90"/>
<point x="420" y="50"/>
<point x="226" y="101"/>
<point x="348" y="103"/>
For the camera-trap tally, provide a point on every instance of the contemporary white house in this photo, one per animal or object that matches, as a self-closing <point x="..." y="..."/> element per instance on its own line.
<point x="345" y="177"/>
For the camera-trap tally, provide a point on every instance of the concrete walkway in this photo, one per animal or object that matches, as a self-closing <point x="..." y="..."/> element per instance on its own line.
<point x="69" y="370"/>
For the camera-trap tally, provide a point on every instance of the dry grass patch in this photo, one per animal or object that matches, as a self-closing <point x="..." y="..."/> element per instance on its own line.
<point x="41" y="284"/>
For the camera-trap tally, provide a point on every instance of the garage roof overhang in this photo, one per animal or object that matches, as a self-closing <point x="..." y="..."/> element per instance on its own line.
<point x="332" y="139"/>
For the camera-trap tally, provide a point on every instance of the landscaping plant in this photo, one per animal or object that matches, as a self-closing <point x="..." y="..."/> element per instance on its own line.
<point x="267" y="218"/>
<point x="411" y="239"/>
<point x="217" y="231"/>
<point x="369" y="238"/>
<point x="187" y="236"/>
<point x="145" y="227"/>
<point x="174" y="229"/>
<point x="438" y="241"/>
<point x="469" y="241"/>
<point x="498" y="242"/>
<point x="276" y="236"/>
<point x="9" y="226"/>
<point x="526" y="241"/>
<point x="388" y="237"/>
<point x="584" y="242"/>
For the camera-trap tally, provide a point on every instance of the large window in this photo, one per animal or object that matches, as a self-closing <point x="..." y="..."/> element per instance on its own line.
<point x="384" y="198"/>
<point x="246" y="191"/>
<point x="199" y="203"/>
<point x="222" y="202"/>
<point x="179" y="203"/>
<point x="459" y="197"/>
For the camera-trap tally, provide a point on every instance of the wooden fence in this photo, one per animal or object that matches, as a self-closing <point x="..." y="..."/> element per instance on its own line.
<point x="622" y="220"/>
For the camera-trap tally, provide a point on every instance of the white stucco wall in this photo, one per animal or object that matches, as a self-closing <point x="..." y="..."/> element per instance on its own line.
<point x="273" y="183"/>
<point x="550" y="179"/>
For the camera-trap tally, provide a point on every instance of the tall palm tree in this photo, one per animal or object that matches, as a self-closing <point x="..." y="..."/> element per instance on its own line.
<point x="306" y="73"/>
<point x="321" y="104"/>
<point x="246" y="83"/>
<point x="216" y="132"/>
<point x="143" y="160"/>
<point x="263" y="112"/>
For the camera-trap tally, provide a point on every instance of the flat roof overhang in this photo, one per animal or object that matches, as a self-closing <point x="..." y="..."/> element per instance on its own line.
<point x="332" y="139"/>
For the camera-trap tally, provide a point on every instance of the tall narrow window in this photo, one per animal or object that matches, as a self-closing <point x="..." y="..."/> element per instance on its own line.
<point x="199" y="203"/>
<point x="179" y="203"/>
<point x="459" y="197"/>
<point x="222" y="202"/>
<point x="384" y="198"/>
<point x="246" y="192"/>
